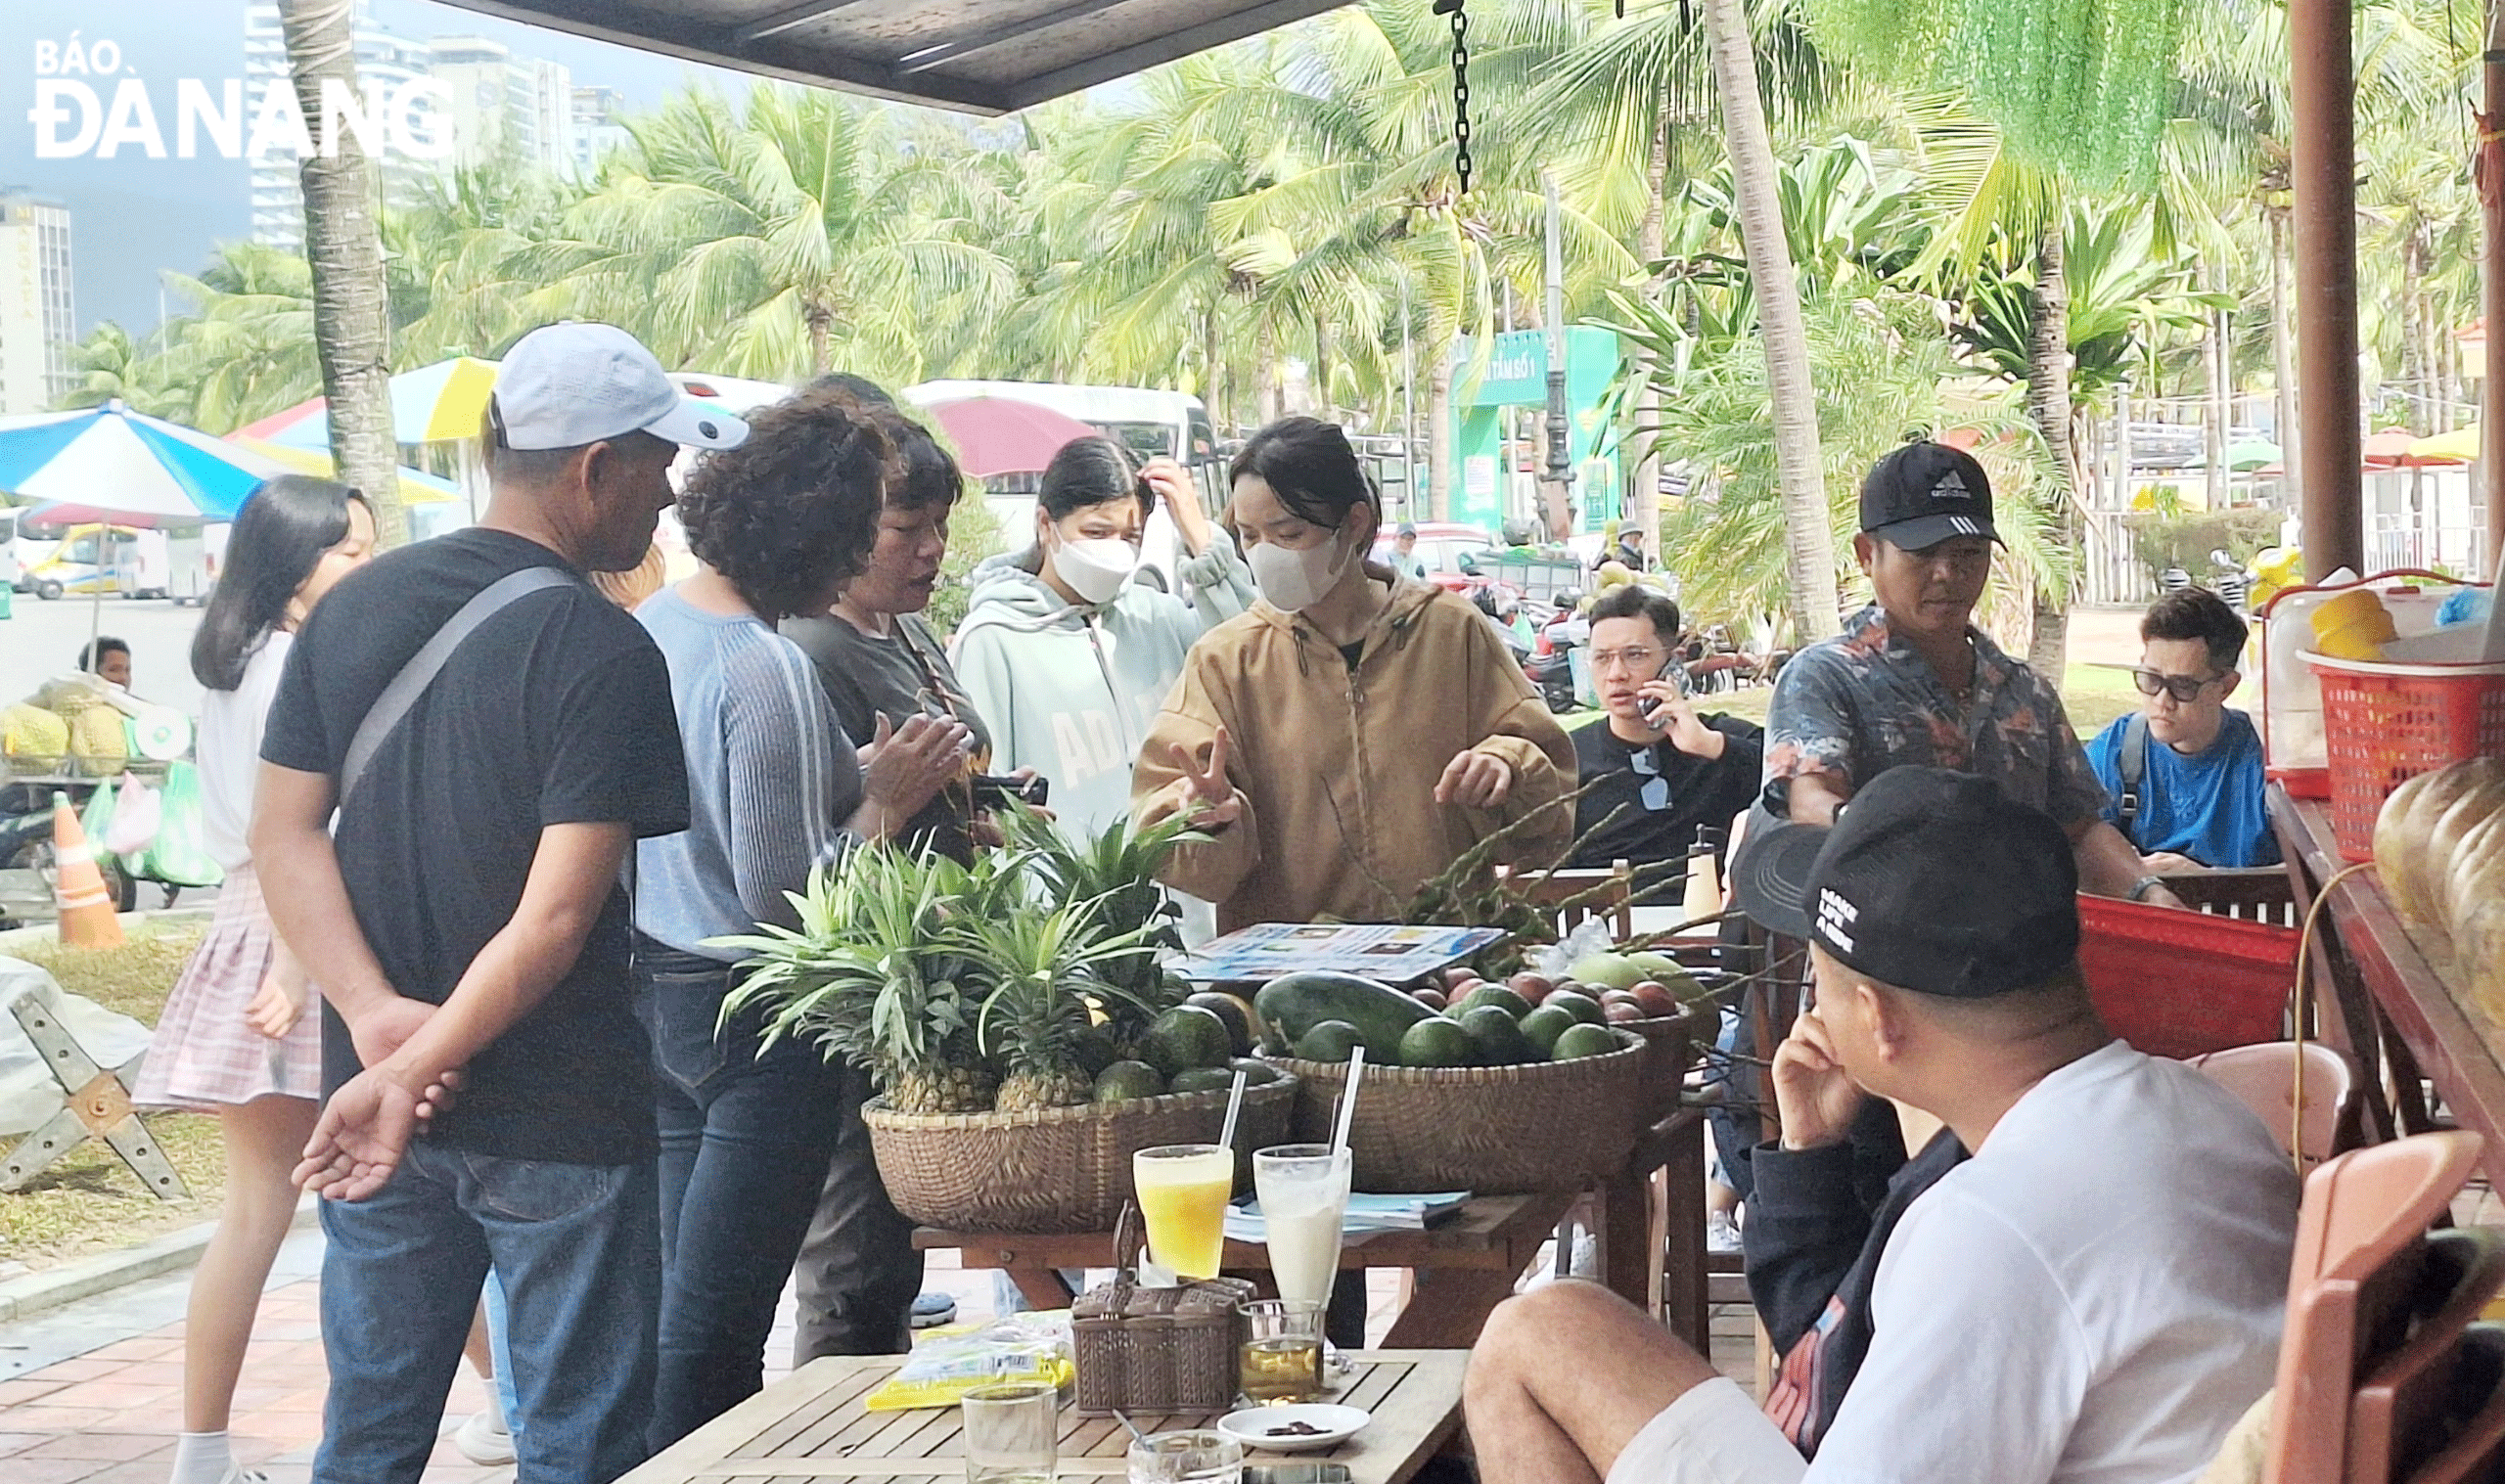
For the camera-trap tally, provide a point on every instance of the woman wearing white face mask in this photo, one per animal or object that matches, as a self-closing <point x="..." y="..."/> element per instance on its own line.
<point x="1064" y="653"/>
<point x="1355" y="733"/>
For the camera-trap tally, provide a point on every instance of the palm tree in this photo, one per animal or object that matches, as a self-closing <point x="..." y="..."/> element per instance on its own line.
<point x="351" y="303"/>
<point x="778" y="242"/>
<point x="1809" y="554"/>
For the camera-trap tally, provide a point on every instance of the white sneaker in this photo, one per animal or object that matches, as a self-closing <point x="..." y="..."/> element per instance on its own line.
<point x="1721" y="1232"/>
<point x="482" y="1442"/>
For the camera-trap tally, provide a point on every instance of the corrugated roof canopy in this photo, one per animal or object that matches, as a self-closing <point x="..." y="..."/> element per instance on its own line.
<point x="979" y="56"/>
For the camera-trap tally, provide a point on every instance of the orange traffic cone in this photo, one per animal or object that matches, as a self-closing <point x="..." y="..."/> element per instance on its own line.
<point x="86" y="907"/>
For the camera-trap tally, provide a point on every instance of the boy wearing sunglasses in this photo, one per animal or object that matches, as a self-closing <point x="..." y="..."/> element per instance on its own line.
<point x="2184" y="771"/>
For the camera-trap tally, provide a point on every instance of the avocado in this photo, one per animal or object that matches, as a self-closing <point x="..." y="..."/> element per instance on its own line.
<point x="1257" y="1073"/>
<point x="1329" y="1040"/>
<point x="1094" y="1051"/>
<point x="1125" y="1080"/>
<point x="1587" y="1041"/>
<point x="1500" y="1038"/>
<point x="1542" y="1026"/>
<point x="1583" y="1007"/>
<point x="1202" y="1079"/>
<point x="1185" y="1037"/>
<point x="1236" y="1012"/>
<point x="1497" y="995"/>
<point x="1438" y="1042"/>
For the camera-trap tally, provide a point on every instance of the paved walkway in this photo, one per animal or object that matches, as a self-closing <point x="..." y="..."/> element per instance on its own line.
<point x="91" y="1393"/>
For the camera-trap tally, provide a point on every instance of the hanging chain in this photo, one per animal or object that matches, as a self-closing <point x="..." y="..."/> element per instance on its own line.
<point x="1461" y="162"/>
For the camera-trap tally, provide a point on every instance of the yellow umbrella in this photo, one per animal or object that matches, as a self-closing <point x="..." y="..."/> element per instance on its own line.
<point x="417" y="486"/>
<point x="441" y="403"/>
<point x="2460" y="446"/>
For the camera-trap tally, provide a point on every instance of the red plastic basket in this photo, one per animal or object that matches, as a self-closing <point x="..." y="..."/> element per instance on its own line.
<point x="2385" y="724"/>
<point x="2177" y="983"/>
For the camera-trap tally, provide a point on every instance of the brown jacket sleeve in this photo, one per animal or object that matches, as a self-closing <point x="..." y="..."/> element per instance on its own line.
<point x="1201" y="703"/>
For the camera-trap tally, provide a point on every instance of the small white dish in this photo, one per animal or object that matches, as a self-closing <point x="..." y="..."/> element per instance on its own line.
<point x="1258" y="1427"/>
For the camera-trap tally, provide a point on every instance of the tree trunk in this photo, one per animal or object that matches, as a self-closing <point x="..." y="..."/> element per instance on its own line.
<point x="1644" y="498"/>
<point x="2413" y="343"/>
<point x="2048" y="405"/>
<point x="2215" y="414"/>
<point x="1808" y="540"/>
<point x="2282" y="361"/>
<point x="1441" y="471"/>
<point x="1325" y="409"/>
<point x="1211" y="355"/>
<point x="342" y="242"/>
<point x="1265" y="377"/>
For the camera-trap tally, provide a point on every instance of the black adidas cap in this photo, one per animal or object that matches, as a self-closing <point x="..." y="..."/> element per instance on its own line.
<point x="1930" y="881"/>
<point x="1926" y="493"/>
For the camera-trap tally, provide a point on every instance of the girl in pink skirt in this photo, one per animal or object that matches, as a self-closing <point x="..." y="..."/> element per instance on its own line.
<point x="235" y="1038"/>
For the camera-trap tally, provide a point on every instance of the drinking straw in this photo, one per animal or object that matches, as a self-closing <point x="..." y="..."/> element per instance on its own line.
<point x="1127" y="1423"/>
<point x="1348" y="1100"/>
<point x="1233" y="1107"/>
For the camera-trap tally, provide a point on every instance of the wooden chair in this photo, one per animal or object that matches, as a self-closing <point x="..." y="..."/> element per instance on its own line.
<point x="2265" y="1078"/>
<point x="1609" y="893"/>
<point x="2257" y="894"/>
<point x="2360" y="1273"/>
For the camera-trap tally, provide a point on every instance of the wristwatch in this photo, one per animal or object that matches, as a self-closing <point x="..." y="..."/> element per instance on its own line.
<point x="2140" y="887"/>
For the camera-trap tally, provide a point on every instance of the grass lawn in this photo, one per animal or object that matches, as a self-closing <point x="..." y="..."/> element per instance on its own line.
<point x="87" y="1202"/>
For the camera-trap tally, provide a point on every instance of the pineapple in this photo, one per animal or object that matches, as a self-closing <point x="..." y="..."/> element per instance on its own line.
<point x="1047" y="970"/>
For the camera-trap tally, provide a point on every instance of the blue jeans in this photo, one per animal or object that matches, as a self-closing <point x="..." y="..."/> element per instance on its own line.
<point x="746" y="1138"/>
<point x="578" y="1252"/>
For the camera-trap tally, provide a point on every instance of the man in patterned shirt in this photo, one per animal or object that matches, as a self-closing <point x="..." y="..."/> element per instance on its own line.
<point x="1911" y="679"/>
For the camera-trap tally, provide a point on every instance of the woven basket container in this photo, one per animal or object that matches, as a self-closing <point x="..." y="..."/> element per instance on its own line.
<point x="1063" y="1169"/>
<point x="1495" y="1130"/>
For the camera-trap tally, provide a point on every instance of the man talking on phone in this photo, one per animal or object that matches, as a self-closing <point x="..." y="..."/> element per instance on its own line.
<point x="1658" y="770"/>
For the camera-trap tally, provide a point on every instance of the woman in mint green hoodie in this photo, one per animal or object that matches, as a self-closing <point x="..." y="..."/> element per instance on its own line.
<point x="1067" y="657"/>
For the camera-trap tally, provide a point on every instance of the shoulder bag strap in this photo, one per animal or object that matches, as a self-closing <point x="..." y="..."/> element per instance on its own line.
<point x="2134" y="764"/>
<point x="392" y="706"/>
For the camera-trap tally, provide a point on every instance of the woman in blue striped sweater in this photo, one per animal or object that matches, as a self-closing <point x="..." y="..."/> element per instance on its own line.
<point x="774" y="788"/>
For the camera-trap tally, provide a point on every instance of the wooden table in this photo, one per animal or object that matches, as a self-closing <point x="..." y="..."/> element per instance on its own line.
<point x="810" y="1426"/>
<point x="1651" y="1236"/>
<point x="2387" y="995"/>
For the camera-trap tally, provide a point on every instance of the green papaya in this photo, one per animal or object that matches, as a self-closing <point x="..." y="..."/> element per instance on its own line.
<point x="1380" y="1015"/>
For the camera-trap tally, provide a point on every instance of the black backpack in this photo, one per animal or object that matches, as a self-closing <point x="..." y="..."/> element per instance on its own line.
<point x="2134" y="762"/>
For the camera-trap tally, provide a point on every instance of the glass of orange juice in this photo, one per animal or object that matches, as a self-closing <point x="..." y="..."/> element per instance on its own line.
<point x="1183" y="1189"/>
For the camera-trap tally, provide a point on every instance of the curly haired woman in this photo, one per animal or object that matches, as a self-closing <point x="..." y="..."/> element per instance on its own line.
<point x="774" y="788"/>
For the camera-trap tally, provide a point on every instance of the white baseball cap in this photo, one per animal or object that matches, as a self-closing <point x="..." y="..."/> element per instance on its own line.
<point x="573" y="383"/>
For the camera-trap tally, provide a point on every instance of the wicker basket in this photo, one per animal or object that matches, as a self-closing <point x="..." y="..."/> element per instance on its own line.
<point x="1493" y="1130"/>
<point x="1063" y="1169"/>
<point x="1153" y="1351"/>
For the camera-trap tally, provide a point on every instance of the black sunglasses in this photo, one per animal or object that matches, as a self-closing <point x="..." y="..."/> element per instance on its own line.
<point x="2182" y="688"/>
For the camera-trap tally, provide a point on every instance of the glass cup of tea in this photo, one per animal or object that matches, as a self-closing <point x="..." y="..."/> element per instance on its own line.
<point x="1186" y="1458"/>
<point x="1303" y="1190"/>
<point x="1010" y="1433"/>
<point x="1281" y="1360"/>
<point x="1183" y="1189"/>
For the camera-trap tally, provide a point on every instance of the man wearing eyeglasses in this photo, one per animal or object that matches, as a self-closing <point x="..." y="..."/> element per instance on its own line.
<point x="1656" y="768"/>
<point x="2185" y="770"/>
<point x="1913" y="681"/>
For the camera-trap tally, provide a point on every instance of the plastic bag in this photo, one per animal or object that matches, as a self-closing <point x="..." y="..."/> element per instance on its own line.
<point x="950" y="1360"/>
<point x="1590" y="936"/>
<point x="137" y="813"/>
<point x="180" y="856"/>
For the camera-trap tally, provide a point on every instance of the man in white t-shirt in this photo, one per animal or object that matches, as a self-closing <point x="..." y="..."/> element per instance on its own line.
<point x="2092" y="1298"/>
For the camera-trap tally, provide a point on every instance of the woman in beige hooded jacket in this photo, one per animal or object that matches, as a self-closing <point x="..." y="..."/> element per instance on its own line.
<point x="1350" y="737"/>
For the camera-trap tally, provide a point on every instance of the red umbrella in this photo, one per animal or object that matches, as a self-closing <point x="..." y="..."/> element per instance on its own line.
<point x="1002" y="435"/>
<point x="2389" y="446"/>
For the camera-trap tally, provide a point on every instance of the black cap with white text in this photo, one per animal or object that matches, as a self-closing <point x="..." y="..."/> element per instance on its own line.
<point x="1926" y="493"/>
<point x="1930" y="881"/>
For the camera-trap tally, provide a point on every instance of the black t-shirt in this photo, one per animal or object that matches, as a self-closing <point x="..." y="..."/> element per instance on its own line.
<point x="899" y="675"/>
<point x="1664" y="794"/>
<point x="555" y="711"/>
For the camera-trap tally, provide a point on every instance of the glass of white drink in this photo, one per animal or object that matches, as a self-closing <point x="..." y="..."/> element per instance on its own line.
<point x="1303" y="1190"/>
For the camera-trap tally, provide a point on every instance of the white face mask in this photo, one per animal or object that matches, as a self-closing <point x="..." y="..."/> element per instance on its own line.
<point x="1097" y="568"/>
<point x="1294" y="580"/>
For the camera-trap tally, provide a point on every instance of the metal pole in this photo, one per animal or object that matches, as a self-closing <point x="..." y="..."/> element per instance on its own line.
<point x="1408" y="407"/>
<point x="2324" y="170"/>
<point x="1561" y="453"/>
<point x="2491" y="290"/>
